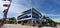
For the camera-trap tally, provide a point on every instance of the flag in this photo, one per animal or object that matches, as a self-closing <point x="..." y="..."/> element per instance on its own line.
<point x="5" y="5"/>
<point x="10" y="0"/>
<point x="5" y="11"/>
<point x="7" y="0"/>
<point x="4" y="0"/>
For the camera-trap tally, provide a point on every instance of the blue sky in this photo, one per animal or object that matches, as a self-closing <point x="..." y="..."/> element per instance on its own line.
<point x="49" y="8"/>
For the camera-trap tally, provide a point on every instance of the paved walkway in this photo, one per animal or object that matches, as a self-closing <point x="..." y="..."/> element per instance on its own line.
<point x="17" y="26"/>
<point x="24" y="26"/>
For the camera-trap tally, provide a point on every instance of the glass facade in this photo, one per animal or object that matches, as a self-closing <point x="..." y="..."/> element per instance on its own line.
<point x="30" y="17"/>
<point x="35" y="15"/>
<point x="24" y="17"/>
<point x="27" y="12"/>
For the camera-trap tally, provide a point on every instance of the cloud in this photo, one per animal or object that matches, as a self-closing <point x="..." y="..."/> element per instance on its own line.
<point x="16" y="8"/>
<point x="50" y="14"/>
<point x="54" y="17"/>
<point x="56" y="20"/>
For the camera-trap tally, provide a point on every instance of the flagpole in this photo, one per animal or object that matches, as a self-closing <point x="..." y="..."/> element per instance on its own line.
<point x="5" y="16"/>
<point x="9" y="6"/>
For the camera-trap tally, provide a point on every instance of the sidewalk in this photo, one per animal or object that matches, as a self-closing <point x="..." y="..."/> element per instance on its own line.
<point x="17" y="26"/>
<point x="24" y="26"/>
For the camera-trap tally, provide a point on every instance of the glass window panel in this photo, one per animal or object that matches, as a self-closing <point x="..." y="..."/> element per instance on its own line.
<point x="34" y="15"/>
<point x="25" y="17"/>
<point x="27" y="12"/>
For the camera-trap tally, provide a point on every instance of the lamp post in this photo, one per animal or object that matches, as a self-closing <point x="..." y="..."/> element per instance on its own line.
<point x="5" y="12"/>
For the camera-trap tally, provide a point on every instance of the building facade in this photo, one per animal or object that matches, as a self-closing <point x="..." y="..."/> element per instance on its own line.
<point x="30" y="17"/>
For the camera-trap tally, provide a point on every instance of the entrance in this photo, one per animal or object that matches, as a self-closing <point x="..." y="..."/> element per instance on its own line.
<point x="25" y="22"/>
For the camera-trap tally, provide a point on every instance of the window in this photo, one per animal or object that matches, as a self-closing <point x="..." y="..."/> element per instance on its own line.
<point x="27" y="12"/>
<point x="34" y="15"/>
<point x="25" y="17"/>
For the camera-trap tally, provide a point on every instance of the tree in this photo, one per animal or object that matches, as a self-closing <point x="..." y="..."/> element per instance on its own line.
<point x="47" y="20"/>
<point x="11" y="20"/>
<point x="0" y="20"/>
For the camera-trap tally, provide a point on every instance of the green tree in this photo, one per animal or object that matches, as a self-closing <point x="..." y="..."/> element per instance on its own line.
<point x="48" y="20"/>
<point x="0" y="20"/>
<point x="11" y="20"/>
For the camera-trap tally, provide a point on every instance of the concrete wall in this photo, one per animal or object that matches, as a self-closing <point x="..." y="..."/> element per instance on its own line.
<point x="24" y="26"/>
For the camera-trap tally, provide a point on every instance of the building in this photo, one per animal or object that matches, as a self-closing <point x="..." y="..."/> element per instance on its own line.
<point x="30" y="17"/>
